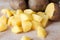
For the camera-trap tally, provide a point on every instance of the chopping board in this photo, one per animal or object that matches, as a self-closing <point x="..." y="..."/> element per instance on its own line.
<point x="53" y="29"/>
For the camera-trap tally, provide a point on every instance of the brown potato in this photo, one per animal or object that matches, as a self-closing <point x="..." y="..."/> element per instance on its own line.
<point x="55" y="1"/>
<point x="59" y="3"/>
<point x="18" y="4"/>
<point x="38" y="5"/>
<point x="53" y="12"/>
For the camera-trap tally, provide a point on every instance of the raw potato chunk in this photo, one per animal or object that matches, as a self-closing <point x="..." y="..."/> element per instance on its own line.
<point x="10" y="20"/>
<point x="41" y="14"/>
<point x="7" y="12"/>
<point x="13" y="12"/>
<point x="53" y="12"/>
<point x="38" y="5"/>
<point x="3" y="27"/>
<point x="26" y="25"/>
<point x="41" y="32"/>
<point x="14" y="20"/>
<point x="37" y="17"/>
<point x="16" y="29"/>
<point x="44" y="21"/>
<point x="24" y="17"/>
<point x="35" y="24"/>
<point x="45" y="18"/>
<point x="29" y="11"/>
<point x="3" y="19"/>
<point x="25" y="38"/>
<point x="19" y="11"/>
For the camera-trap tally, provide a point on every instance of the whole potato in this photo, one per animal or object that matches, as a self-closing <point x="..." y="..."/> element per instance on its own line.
<point x="18" y="4"/>
<point x="38" y="5"/>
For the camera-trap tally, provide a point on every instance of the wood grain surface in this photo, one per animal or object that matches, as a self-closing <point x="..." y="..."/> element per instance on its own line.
<point x="53" y="29"/>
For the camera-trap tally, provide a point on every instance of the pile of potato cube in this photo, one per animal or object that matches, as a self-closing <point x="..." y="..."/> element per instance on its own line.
<point x="23" y="21"/>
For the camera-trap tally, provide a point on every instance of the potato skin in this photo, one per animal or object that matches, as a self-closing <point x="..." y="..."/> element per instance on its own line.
<point x="38" y="5"/>
<point x="56" y="15"/>
<point x="55" y="1"/>
<point x="18" y="4"/>
<point x="59" y="3"/>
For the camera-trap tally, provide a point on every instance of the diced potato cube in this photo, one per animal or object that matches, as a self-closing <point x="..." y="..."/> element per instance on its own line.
<point x="25" y="38"/>
<point x="24" y="17"/>
<point x="26" y="25"/>
<point x="16" y="29"/>
<point x="37" y="17"/>
<point x="41" y="32"/>
<point x="13" y="12"/>
<point x="45" y="21"/>
<point x="29" y="11"/>
<point x="3" y="27"/>
<point x="3" y="19"/>
<point x="41" y="14"/>
<point x="14" y="20"/>
<point x="19" y="11"/>
<point x="7" y="12"/>
<point x="35" y="24"/>
<point x="10" y="20"/>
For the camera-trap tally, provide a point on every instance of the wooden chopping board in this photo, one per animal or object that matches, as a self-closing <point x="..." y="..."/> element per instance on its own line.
<point x="53" y="29"/>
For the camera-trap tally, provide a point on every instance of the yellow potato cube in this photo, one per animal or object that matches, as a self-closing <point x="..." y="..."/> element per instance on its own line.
<point x="7" y="12"/>
<point x="37" y="17"/>
<point x="3" y="19"/>
<point x="29" y="11"/>
<point x="45" y="21"/>
<point x="3" y="27"/>
<point x="13" y="12"/>
<point x="14" y="20"/>
<point x="26" y="25"/>
<point x="41" y="14"/>
<point x="19" y="11"/>
<point x="24" y="17"/>
<point x="25" y="38"/>
<point x="41" y="32"/>
<point x="16" y="29"/>
<point x="10" y="20"/>
<point x="35" y="24"/>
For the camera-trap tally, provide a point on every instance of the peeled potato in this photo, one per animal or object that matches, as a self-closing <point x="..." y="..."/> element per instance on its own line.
<point x="10" y="20"/>
<point x="7" y="12"/>
<point x="37" y="17"/>
<point x="16" y="29"/>
<point x="14" y="20"/>
<point x="13" y="12"/>
<point x="41" y="14"/>
<point x="35" y="24"/>
<point x="41" y="32"/>
<point x="53" y="12"/>
<point x="44" y="21"/>
<point x="19" y="11"/>
<point x="24" y="17"/>
<point x="3" y="19"/>
<point x="28" y="11"/>
<point x="26" y="25"/>
<point x="25" y="38"/>
<point x="3" y="27"/>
